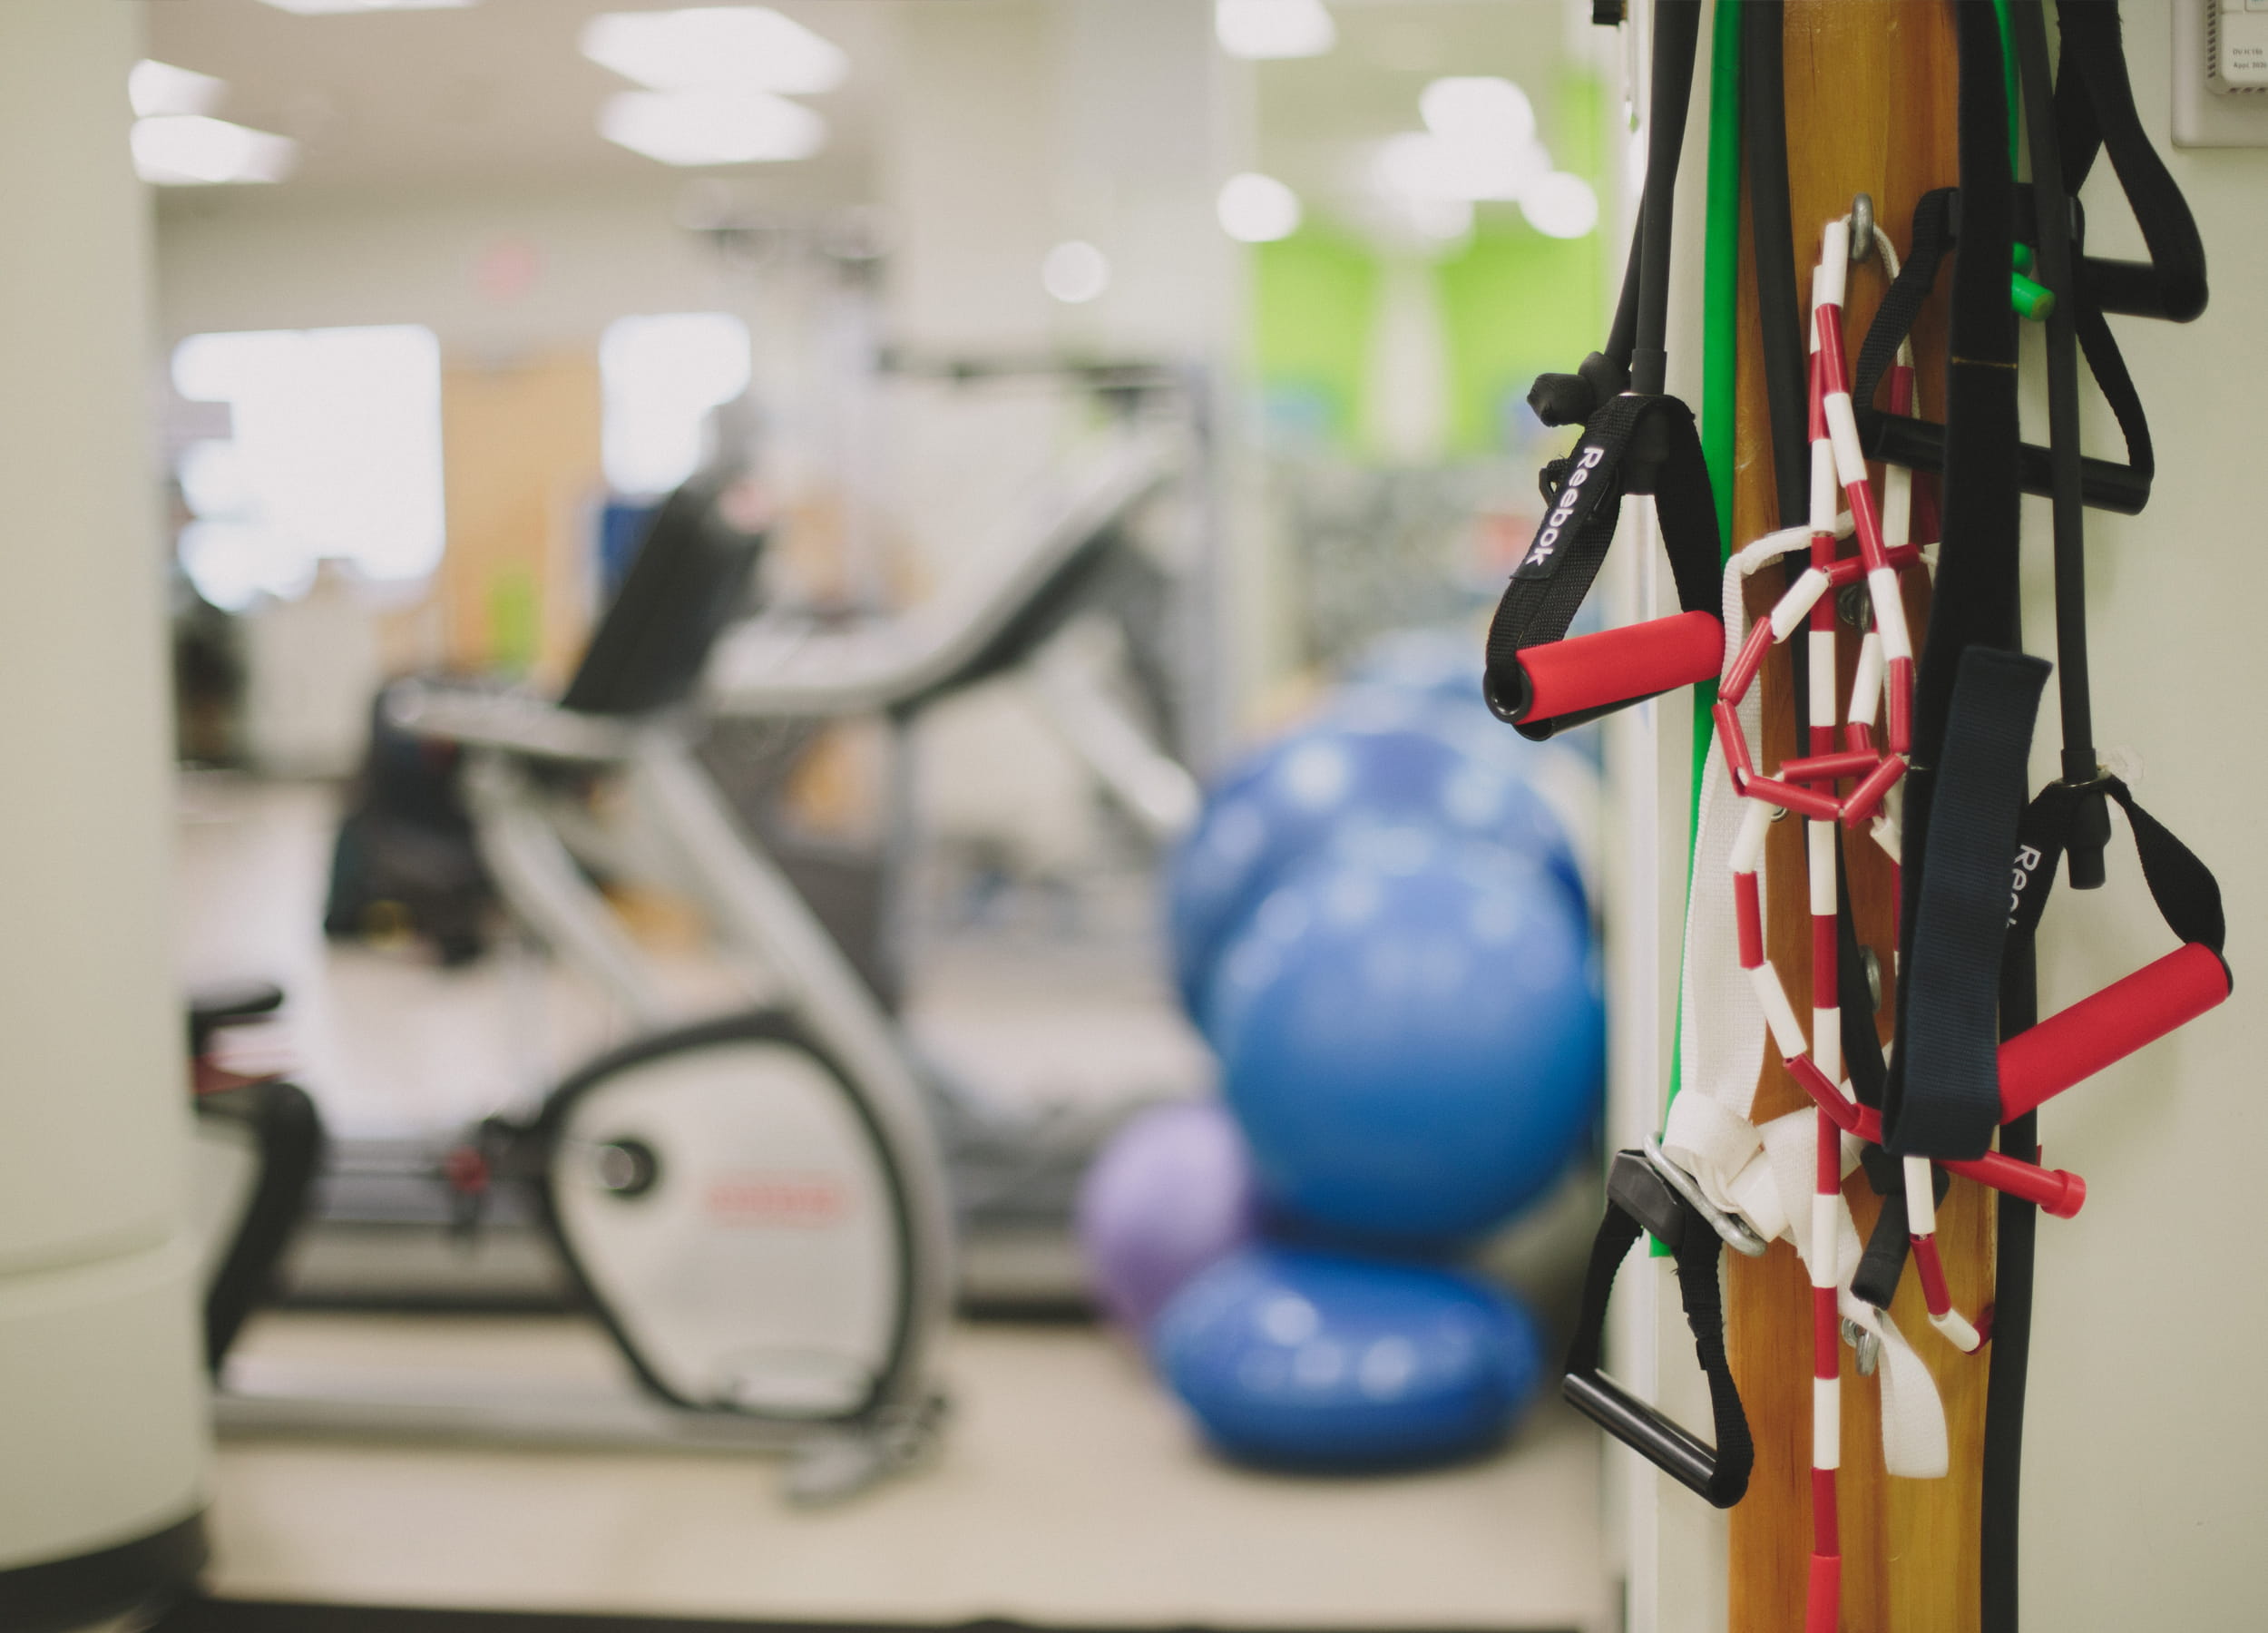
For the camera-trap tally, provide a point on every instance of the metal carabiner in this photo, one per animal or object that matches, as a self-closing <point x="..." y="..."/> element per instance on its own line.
<point x="1734" y="1229"/>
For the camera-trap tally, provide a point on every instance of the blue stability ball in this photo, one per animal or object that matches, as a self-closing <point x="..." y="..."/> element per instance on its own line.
<point x="1412" y="1037"/>
<point x="1377" y="761"/>
<point x="1303" y="1359"/>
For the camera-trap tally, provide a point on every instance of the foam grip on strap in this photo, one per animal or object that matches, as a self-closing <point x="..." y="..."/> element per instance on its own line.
<point x="1591" y="674"/>
<point x="2074" y="1044"/>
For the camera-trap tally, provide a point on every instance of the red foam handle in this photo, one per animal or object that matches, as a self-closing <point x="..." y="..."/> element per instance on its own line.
<point x="2074" y="1044"/>
<point x="1620" y="666"/>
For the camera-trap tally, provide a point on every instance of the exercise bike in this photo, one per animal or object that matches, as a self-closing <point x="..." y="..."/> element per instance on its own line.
<point x="756" y="1207"/>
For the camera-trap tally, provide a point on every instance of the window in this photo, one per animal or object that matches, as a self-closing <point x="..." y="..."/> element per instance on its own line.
<point x="334" y="453"/>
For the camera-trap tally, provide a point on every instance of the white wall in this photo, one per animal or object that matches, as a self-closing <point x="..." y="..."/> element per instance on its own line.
<point x="2146" y="1464"/>
<point x="252" y="258"/>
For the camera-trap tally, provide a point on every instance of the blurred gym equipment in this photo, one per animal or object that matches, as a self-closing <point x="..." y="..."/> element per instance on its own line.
<point x="760" y="1207"/>
<point x="257" y="1145"/>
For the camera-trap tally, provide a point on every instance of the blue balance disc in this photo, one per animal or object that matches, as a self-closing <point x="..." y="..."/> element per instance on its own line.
<point x="1297" y="1358"/>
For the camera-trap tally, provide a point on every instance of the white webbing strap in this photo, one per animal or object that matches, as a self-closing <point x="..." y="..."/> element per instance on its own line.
<point x="1766" y="1174"/>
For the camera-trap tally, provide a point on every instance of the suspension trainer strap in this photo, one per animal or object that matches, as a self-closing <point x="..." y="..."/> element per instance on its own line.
<point x="1639" y="1199"/>
<point x="1945" y="1011"/>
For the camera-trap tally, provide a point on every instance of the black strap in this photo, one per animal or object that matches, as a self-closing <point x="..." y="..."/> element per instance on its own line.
<point x="1677" y="42"/>
<point x="1975" y="604"/>
<point x="1638" y="1200"/>
<point x="2016" y="1227"/>
<point x="1637" y="445"/>
<point x="1782" y="339"/>
<point x="2058" y="254"/>
<point x="2094" y="112"/>
<point x="1942" y="1098"/>
<point x="1927" y="246"/>
<point x="1888" y="1243"/>
<point x="1635" y="353"/>
<point x="2187" y="896"/>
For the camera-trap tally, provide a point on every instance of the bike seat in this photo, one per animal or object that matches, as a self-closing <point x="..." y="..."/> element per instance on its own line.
<point x="238" y="1003"/>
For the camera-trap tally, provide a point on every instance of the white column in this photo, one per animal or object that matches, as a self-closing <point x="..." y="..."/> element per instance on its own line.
<point x="101" y="1408"/>
<point x="1672" y="1544"/>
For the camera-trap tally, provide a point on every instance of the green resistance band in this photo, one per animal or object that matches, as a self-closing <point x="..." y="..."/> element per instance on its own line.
<point x="1720" y="300"/>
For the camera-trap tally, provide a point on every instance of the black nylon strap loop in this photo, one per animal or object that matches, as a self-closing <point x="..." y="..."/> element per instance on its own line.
<point x="1926" y="249"/>
<point x="1883" y="1263"/>
<point x="1942" y="1098"/>
<point x="1640" y="444"/>
<point x="2187" y="896"/>
<point x="2094" y="112"/>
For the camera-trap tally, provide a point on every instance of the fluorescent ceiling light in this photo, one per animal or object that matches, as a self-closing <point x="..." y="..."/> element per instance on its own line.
<point x="717" y="48"/>
<point x="188" y="149"/>
<point x="711" y="127"/>
<point x="1422" y="165"/>
<point x="1075" y="272"/>
<point x="316" y="8"/>
<point x="1258" y="210"/>
<point x="1480" y="110"/>
<point x="155" y="88"/>
<point x="1274" y="28"/>
<point x="1561" y="205"/>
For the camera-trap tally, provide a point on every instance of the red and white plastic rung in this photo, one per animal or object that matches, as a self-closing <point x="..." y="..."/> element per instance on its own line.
<point x="1867" y="797"/>
<point x="1748" y="913"/>
<point x="1921" y="1185"/>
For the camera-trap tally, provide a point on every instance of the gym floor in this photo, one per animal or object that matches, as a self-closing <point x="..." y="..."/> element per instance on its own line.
<point x="1068" y="1491"/>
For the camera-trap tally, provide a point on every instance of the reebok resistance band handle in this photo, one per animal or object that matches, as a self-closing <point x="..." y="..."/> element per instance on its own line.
<point x="1919" y="444"/>
<point x="1585" y="676"/>
<point x="2074" y="1044"/>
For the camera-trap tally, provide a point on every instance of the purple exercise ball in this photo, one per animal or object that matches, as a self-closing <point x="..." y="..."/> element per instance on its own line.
<point x="1171" y="1193"/>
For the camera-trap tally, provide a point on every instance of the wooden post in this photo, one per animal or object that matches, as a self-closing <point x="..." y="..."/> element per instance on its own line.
<point x="1870" y="94"/>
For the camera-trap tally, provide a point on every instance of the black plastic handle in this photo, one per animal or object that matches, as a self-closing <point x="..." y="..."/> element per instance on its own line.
<point x="1919" y="444"/>
<point x="1670" y="1447"/>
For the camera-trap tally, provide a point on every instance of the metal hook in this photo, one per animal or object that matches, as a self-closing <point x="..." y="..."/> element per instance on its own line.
<point x="1868" y="1344"/>
<point x="1862" y="226"/>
